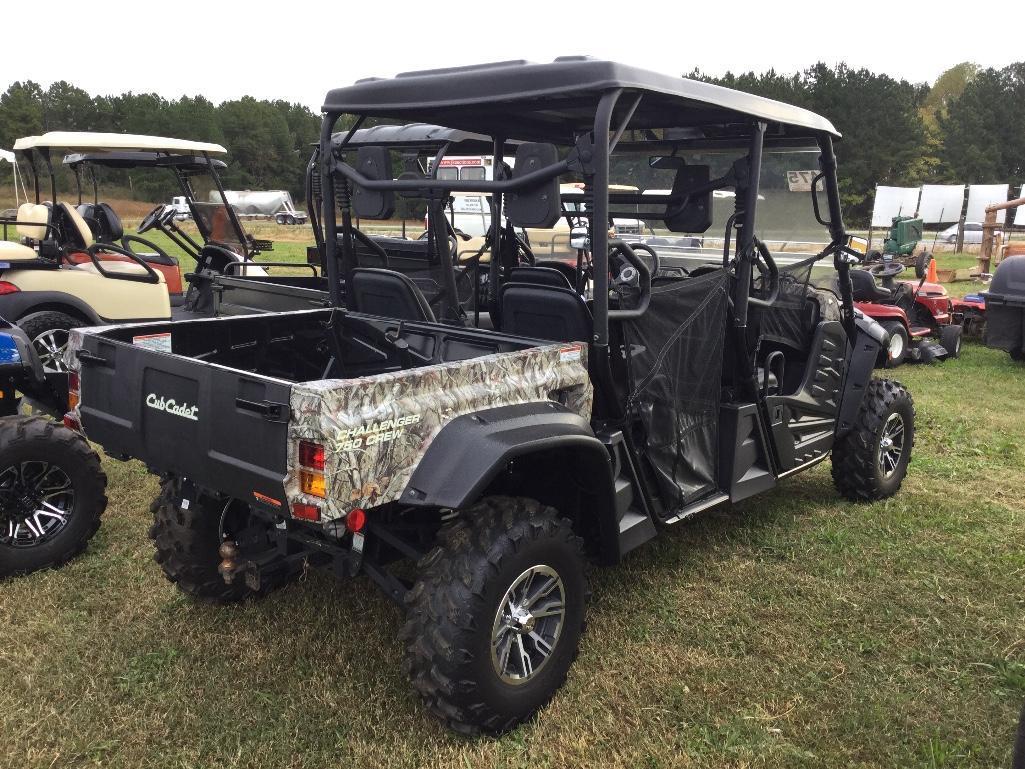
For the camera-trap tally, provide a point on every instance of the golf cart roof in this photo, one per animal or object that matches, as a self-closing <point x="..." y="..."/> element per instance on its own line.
<point x="142" y="160"/>
<point x="418" y="136"/>
<point x="109" y="142"/>
<point x="526" y="100"/>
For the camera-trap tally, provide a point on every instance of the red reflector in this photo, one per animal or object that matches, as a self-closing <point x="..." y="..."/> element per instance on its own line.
<point x="311" y="455"/>
<point x="8" y="288"/>
<point x="71" y="423"/>
<point x="356" y="520"/>
<point x="73" y="382"/>
<point x="305" y="512"/>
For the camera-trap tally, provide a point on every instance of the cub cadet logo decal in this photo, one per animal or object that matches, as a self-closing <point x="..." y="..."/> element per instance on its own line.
<point x="366" y="436"/>
<point x="171" y="407"/>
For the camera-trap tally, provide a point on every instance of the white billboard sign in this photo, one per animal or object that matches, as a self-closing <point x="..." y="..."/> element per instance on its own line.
<point x="941" y="203"/>
<point x="893" y="201"/>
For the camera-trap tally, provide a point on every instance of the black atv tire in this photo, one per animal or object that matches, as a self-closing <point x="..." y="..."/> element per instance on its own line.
<point x="860" y="471"/>
<point x="49" y="322"/>
<point x="457" y="614"/>
<point x="186" y="542"/>
<point x="1018" y="355"/>
<point x="897" y="330"/>
<point x="922" y="264"/>
<point x="950" y="338"/>
<point x="28" y="441"/>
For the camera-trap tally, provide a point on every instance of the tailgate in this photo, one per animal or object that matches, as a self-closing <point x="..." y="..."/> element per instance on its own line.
<point x="222" y="428"/>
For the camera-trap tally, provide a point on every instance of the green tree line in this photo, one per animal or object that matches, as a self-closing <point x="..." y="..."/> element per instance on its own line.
<point x="268" y="142"/>
<point x="964" y="128"/>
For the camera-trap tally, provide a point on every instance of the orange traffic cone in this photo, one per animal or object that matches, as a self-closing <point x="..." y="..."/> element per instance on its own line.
<point x="931" y="274"/>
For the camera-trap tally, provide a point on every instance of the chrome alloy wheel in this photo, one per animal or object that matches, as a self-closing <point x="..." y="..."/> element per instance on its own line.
<point x="891" y="444"/>
<point x="528" y="624"/>
<point x="36" y="501"/>
<point x="50" y="345"/>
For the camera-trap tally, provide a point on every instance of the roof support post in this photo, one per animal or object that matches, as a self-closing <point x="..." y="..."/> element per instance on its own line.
<point x="328" y="217"/>
<point x="746" y="240"/>
<point x="599" y="184"/>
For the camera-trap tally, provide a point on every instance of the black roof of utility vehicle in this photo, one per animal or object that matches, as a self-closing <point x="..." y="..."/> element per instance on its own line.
<point x="527" y="101"/>
<point x="417" y="136"/>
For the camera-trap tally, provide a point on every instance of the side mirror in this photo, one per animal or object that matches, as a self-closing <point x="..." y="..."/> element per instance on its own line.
<point x="578" y="239"/>
<point x="857" y="246"/>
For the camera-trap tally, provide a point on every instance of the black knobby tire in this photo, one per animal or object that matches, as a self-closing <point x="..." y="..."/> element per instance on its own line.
<point x="48" y="331"/>
<point x="859" y="472"/>
<point x="922" y="264"/>
<point x="1018" y="354"/>
<point x="453" y="610"/>
<point x="950" y="338"/>
<point x="27" y="444"/>
<point x="897" y="331"/>
<point x="186" y="542"/>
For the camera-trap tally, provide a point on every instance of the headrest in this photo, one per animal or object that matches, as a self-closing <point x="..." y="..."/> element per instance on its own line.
<point x="373" y="163"/>
<point x="110" y="223"/>
<point x="76" y="231"/>
<point x="537" y="206"/>
<point x="696" y="216"/>
<point x="36" y="216"/>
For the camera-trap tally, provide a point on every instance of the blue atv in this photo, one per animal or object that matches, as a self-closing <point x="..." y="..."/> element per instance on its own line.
<point x="52" y="488"/>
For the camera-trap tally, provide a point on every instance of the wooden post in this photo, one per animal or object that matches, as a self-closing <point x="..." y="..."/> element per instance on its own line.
<point x="988" y="227"/>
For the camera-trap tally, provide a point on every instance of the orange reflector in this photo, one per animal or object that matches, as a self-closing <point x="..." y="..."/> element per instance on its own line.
<point x="312" y="483"/>
<point x="356" y="520"/>
<point x="73" y="381"/>
<point x="72" y="400"/>
<point x="305" y="512"/>
<point x="311" y="455"/>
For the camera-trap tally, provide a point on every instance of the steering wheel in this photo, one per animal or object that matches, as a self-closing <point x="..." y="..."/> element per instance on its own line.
<point x="151" y="220"/>
<point x="886" y="271"/>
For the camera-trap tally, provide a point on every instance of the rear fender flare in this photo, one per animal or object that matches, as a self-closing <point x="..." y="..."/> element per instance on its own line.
<point x="471" y="451"/>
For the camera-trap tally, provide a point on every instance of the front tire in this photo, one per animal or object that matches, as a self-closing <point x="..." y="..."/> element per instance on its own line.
<point x="922" y="264"/>
<point x="871" y="461"/>
<point x="52" y="494"/>
<point x="950" y="338"/>
<point x="897" y="351"/>
<point x="494" y="619"/>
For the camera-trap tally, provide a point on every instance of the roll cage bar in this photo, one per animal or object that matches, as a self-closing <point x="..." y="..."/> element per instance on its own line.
<point x="589" y="155"/>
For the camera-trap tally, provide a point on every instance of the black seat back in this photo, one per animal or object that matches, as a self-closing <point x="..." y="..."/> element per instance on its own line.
<point x="544" y="312"/>
<point x="539" y="205"/>
<point x="389" y="294"/>
<point x="866" y="289"/>
<point x="539" y="276"/>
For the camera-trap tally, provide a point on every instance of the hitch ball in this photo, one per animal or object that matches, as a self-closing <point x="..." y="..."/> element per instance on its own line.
<point x="229" y="565"/>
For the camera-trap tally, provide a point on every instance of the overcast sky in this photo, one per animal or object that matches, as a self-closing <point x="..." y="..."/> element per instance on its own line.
<point x="297" y="50"/>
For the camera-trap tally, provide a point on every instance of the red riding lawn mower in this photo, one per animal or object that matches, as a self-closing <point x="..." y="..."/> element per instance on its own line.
<point x="919" y="316"/>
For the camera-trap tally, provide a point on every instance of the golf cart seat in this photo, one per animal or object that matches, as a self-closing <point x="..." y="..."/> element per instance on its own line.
<point x="32" y="220"/>
<point x="11" y="251"/>
<point x="544" y="312"/>
<point x="867" y="290"/>
<point x="388" y="293"/>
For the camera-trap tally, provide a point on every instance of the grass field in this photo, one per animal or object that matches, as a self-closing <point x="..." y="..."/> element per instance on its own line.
<point x="792" y="630"/>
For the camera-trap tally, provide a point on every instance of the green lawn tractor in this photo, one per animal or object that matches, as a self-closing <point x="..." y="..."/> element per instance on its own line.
<point x="899" y="246"/>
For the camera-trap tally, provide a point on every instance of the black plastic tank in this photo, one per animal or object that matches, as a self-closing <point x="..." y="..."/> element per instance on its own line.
<point x="1005" y="307"/>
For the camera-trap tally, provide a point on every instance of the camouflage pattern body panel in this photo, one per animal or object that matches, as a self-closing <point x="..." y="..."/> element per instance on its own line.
<point x="375" y="430"/>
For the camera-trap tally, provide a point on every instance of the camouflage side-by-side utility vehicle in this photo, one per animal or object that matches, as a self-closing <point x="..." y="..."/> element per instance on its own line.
<point x="502" y="445"/>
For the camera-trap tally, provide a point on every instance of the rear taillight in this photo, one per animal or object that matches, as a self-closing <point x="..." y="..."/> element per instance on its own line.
<point x="7" y="287"/>
<point x="311" y="455"/>
<point x="73" y="391"/>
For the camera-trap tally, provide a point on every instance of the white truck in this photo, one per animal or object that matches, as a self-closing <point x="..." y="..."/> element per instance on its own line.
<point x="276" y="204"/>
